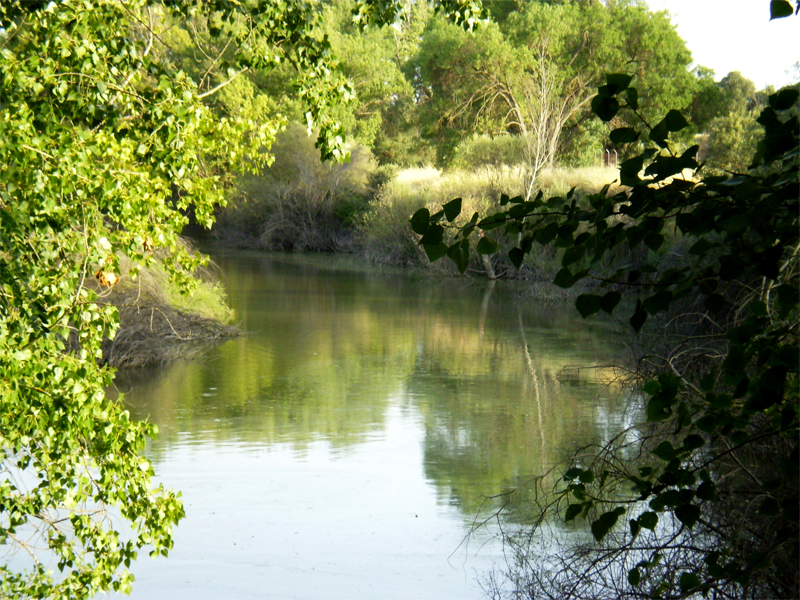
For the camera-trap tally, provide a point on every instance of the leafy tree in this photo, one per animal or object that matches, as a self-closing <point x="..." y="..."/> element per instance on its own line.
<point x="716" y="99"/>
<point x="104" y="143"/>
<point x="711" y="502"/>
<point x="370" y="61"/>
<point x="732" y="139"/>
<point x="534" y="74"/>
<point x="726" y="112"/>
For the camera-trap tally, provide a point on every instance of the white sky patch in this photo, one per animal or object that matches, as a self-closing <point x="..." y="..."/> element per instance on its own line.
<point x="737" y="35"/>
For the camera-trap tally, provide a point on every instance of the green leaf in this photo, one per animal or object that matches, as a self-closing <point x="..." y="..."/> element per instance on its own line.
<point x="588" y="304"/>
<point x="623" y="135"/>
<point x="493" y="222"/>
<point x="547" y="234"/>
<point x="659" y="134"/>
<point x="634" y="576"/>
<point x="658" y="409"/>
<point x="768" y="262"/>
<point x="688" y="514"/>
<point x="629" y="170"/>
<point x="564" y="278"/>
<point x="693" y="442"/>
<point x="706" y="491"/>
<point x="452" y="209"/>
<point x="639" y="317"/>
<point x="487" y="246"/>
<point x="701" y="246"/>
<point x="573" y="473"/>
<point x="605" y="107"/>
<point x="648" y="520"/>
<point x="675" y="121"/>
<point x="658" y="302"/>
<point x="652" y="387"/>
<point x="435" y="251"/>
<point x="434" y="235"/>
<point x="784" y="99"/>
<point x="459" y="254"/>
<point x="633" y="98"/>
<point x="778" y="9"/>
<point x="634" y="527"/>
<point x="605" y="522"/>
<point x="665" y="451"/>
<point x="653" y="240"/>
<point x="573" y="510"/>
<point x="420" y="221"/>
<point x="516" y="256"/>
<point x="609" y="301"/>
<point x="617" y="82"/>
<point x="689" y="582"/>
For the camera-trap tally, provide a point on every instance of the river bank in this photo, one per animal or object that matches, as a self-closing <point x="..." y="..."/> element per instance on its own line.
<point x="159" y="322"/>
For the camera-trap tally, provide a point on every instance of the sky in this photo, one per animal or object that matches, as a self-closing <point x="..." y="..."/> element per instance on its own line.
<point x="737" y="35"/>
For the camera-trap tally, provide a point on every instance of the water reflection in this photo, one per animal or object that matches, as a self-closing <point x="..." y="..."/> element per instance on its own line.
<point x="445" y="390"/>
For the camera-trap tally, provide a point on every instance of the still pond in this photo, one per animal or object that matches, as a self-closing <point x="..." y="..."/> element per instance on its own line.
<point x="345" y="447"/>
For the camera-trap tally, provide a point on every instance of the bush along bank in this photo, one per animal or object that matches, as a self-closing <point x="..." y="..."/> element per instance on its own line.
<point x="300" y="204"/>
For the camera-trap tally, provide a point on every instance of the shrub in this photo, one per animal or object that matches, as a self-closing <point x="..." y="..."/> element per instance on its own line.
<point x="483" y="150"/>
<point x="300" y="203"/>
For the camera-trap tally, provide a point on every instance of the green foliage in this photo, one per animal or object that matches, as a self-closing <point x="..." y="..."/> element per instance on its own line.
<point x="724" y="405"/>
<point x="370" y="59"/>
<point x="482" y="150"/>
<point x="712" y="100"/>
<point x="539" y="66"/>
<point x="105" y="143"/>
<point x="732" y="140"/>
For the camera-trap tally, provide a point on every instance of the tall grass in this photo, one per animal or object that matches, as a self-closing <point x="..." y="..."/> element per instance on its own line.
<point x="386" y="237"/>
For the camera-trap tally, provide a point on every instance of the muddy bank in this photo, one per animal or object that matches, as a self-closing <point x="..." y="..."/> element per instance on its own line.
<point x="158" y="334"/>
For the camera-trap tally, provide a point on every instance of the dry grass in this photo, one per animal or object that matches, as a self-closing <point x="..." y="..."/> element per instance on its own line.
<point x="385" y="235"/>
<point x="418" y="177"/>
<point x="559" y="180"/>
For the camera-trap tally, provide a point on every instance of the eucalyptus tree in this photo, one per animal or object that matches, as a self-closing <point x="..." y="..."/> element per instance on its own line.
<point x="104" y="143"/>
<point x="534" y="73"/>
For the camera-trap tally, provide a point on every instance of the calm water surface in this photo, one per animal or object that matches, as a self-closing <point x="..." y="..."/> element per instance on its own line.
<point x="346" y="447"/>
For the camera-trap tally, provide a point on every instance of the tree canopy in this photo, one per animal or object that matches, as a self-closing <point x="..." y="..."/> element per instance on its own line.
<point x="539" y="68"/>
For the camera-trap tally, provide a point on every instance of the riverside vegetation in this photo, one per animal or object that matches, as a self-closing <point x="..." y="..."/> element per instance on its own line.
<point x="116" y="120"/>
<point x="105" y="144"/>
<point x="709" y="483"/>
<point x="504" y="109"/>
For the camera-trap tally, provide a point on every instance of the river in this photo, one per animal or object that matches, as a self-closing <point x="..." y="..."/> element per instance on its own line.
<point x="345" y="447"/>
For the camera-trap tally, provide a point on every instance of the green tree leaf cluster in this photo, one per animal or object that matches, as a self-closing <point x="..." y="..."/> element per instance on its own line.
<point x="106" y="141"/>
